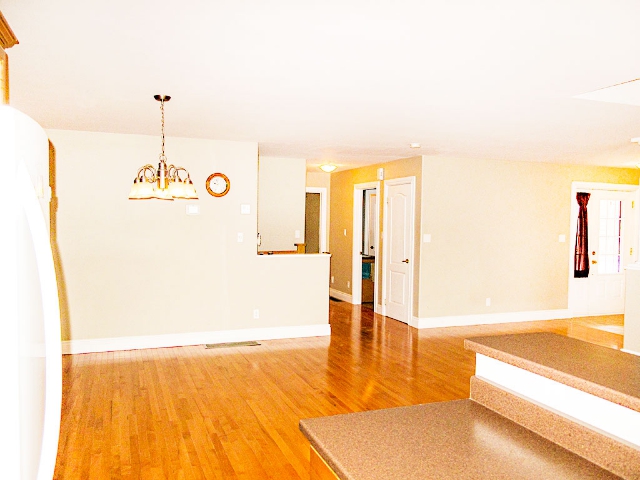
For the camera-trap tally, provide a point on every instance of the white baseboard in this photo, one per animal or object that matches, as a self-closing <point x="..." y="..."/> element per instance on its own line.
<point x="488" y="318"/>
<point x="632" y="352"/>
<point x="193" y="338"/>
<point x="345" y="297"/>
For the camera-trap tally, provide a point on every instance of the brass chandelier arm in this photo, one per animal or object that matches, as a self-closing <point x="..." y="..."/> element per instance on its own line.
<point x="174" y="173"/>
<point x="147" y="173"/>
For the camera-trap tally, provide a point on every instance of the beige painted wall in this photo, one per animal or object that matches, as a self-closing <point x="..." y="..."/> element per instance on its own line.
<point x="319" y="179"/>
<point x="342" y="185"/>
<point x="281" y="201"/>
<point x="494" y="229"/>
<point x="146" y="268"/>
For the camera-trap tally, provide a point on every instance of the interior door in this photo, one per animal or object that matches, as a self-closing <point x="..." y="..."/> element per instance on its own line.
<point x="398" y="233"/>
<point x="612" y="236"/>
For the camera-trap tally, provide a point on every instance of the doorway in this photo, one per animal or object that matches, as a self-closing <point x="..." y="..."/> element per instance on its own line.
<point x="366" y="221"/>
<point x="315" y="224"/>
<point x="612" y="212"/>
<point x="370" y="221"/>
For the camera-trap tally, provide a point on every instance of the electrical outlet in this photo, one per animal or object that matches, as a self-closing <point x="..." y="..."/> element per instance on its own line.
<point x="256" y="313"/>
<point x="345" y="232"/>
<point x="240" y="237"/>
<point x="297" y="234"/>
<point x="488" y="302"/>
<point x="332" y="279"/>
<point x="348" y="284"/>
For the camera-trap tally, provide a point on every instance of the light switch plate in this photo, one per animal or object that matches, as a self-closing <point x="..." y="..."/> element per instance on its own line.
<point x="245" y="209"/>
<point x="193" y="209"/>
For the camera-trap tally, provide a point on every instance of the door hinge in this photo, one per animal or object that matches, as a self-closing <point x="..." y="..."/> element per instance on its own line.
<point x="633" y="204"/>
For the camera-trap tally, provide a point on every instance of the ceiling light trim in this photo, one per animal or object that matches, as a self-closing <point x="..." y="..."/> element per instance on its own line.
<point x="328" y="167"/>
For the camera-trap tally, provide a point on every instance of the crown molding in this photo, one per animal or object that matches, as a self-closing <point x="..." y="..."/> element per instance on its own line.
<point x="7" y="37"/>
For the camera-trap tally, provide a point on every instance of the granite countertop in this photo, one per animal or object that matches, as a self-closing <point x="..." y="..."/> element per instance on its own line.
<point x="601" y="371"/>
<point x="448" y="440"/>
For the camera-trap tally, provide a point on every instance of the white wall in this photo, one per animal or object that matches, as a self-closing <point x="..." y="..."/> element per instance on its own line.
<point x="140" y="268"/>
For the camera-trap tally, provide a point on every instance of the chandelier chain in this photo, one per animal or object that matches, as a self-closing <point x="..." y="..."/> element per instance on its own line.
<point x="162" y="112"/>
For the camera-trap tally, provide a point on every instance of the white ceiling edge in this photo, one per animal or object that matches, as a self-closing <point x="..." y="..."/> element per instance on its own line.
<point x="627" y="93"/>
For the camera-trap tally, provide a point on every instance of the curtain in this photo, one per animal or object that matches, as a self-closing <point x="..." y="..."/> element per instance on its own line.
<point x="581" y="259"/>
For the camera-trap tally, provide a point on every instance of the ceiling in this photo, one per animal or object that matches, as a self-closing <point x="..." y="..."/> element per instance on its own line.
<point x="348" y="82"/>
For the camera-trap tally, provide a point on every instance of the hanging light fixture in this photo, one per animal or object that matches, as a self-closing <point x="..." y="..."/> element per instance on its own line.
<point x="165" y="183"/>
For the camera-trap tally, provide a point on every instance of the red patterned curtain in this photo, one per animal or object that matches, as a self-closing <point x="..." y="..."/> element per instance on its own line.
<point x="581" y="259"/>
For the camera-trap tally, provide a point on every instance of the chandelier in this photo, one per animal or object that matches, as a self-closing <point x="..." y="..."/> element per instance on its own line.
<point x="167" y="181"/>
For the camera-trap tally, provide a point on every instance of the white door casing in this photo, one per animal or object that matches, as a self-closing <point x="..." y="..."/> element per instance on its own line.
<point x="602" y="292"/>
<point x="398" y="258"/>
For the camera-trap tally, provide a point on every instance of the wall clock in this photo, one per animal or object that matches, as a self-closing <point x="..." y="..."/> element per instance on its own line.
<point x="218" y="184"/>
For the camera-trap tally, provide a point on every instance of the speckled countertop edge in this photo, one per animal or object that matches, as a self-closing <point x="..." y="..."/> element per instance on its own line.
<point x="571" y="380"/>
<point x="326" y="455"/>
<point x="456" y="435"/>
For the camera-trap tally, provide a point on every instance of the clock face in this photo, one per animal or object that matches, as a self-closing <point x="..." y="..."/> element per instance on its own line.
<point x="218" y="184"/>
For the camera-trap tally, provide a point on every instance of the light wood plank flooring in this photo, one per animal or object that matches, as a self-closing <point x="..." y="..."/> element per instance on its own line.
<point x="232" y="413"/>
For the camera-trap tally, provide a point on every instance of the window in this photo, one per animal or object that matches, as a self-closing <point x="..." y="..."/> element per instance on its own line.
<point x="610" y="237"/>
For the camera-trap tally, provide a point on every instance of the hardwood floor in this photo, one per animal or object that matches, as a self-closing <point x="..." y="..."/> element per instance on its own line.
<point x="232" y="413"/>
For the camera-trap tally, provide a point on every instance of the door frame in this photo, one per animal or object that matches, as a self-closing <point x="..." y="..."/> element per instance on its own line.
<point x="356" y="251"/>
<point x="385" y="242"/>
<point x="323" y="215"/>
<point x="589" y="187"/>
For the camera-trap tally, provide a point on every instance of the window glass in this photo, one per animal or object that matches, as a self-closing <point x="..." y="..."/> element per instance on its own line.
<point x="610" y="240"/>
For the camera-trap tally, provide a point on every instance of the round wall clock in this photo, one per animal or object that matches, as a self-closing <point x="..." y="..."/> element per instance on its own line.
<point x="218" y="184"/>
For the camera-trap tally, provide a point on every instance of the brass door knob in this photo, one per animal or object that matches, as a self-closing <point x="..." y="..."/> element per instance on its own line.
<point x="593" y="262"/>
<point x="406" y="260"/>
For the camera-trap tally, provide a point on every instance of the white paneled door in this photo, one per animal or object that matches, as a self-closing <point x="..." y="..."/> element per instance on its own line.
<point x="398" y="248"/>
<point x="612" y="234"/>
